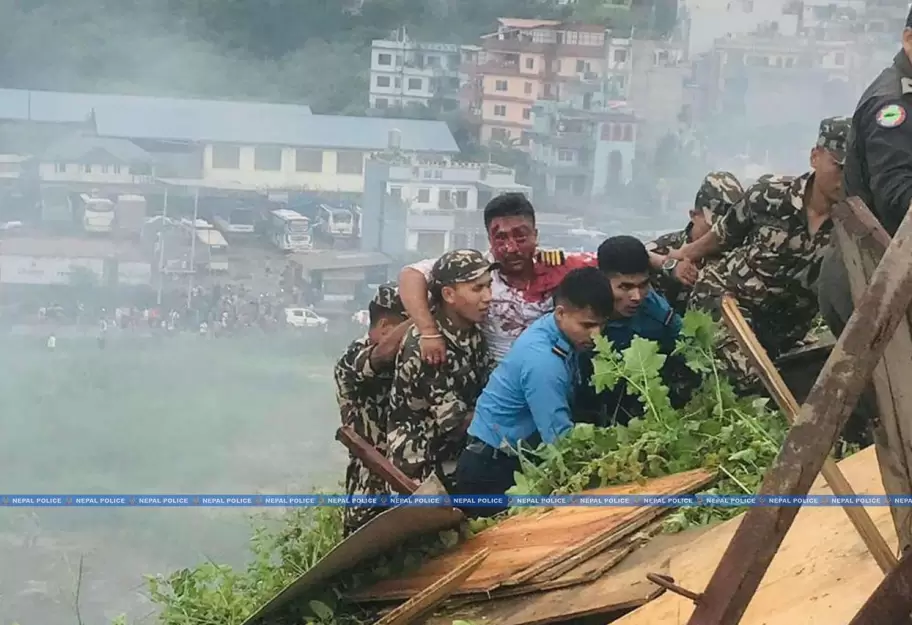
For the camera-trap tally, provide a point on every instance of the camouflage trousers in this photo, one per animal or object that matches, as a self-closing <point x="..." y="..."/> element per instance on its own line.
<point x="778" y="327"/>
<point x="359" y="480"/>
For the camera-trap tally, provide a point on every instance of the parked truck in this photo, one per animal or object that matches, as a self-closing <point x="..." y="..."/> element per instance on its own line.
<point x="130" y="214"/>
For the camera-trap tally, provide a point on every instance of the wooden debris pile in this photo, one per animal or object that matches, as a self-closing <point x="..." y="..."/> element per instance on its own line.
<point x="530" y="557"/>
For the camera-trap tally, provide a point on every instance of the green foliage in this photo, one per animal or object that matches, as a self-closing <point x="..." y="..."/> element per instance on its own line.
<point x="717" y="430"/>
<point x="214" y="593"/>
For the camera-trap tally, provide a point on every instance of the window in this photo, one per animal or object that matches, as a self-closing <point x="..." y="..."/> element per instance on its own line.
<point x="267" y="158"/>
<point x="309" y="160"/>
<point x="454" y="82"/>
<point x="381" y="103"/>
<point x="462" y="199"/>
<point x="60" y="168"/>
<point x="226" y="157"/>
<point x="628" y="132"/>
<point x="500" y="134"/>
<point x="527" y="113"/>
<point x="87" y="169"/>
<point x="565" y="156"/>
<point x="349" y="162"/>
<point x="105" y="169"/>
<point x="500" y="85"/>
<point x="528" y="88"/>
<point x="500" y="110"/>
<point x="620" y="56"/>
<point x="580" y="66"/>
<point x="530" y="63"/>
<point x="395" y="193"/>
<point x="414" y="84"/>
<point x="433" y="61"/>
<point x="384" y="59"/>
<point x="424" y="196"/>
<point x="383" y="81"/>
<point x="115" y="169"/>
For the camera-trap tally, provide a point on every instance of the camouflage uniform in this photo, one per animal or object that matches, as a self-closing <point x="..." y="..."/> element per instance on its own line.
<point x="362" y="392"/>
<point x="770" y="262"/>
<point x="431" y="406"/>
<point x="718" y="192"/>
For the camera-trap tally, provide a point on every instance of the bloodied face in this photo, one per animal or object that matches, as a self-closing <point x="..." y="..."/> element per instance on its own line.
<point x="513" y="243"/>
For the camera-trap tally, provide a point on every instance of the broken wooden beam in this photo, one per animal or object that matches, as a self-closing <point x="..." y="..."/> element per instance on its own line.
<point x="435" y="594"/>
<point x="815" y="431"/>
<point x="891" y="601"/>
<point x="774" y="383"/>
<point x="376" y="462"/>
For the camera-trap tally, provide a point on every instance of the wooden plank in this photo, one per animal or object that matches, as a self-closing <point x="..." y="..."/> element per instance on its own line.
<point x="522" y="542"/>
<point x="821" y="575"/>
<point x="433" y="595"/>
<point x="375" y="461"/>
<point x="893" y="435"/>
<point x="813" y="435"/>
<point x="382" y="533"/>
<point x="774" y="383"/>
<point x="891" y="602"/>
<point x="623" y="588"/>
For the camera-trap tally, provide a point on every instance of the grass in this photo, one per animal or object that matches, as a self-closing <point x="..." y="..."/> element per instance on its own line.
<point x="180" y="414"/>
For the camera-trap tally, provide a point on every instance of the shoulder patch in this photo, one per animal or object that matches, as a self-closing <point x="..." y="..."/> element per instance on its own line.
<point x="891" y="116"/>
<point x="560" y="352"/>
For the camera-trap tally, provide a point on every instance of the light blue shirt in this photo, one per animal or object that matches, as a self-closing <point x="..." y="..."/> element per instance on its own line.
<point x="529" y="392"/>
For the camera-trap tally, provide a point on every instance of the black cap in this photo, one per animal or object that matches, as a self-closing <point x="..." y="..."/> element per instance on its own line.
<point x="909" y="19"/>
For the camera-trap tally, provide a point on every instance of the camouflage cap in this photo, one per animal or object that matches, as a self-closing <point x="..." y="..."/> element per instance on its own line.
<point x="718" y="192"/>
<point x="387" y="297"/>
<point x="460" y="266"/>
<point x="833" y="135"/>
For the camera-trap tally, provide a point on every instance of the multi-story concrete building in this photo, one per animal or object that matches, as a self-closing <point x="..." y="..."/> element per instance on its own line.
<point x="581" y="147"/>
<point x="528" y="60"/>
<point x="405" y="72"/>
<point x="416" y="205"/>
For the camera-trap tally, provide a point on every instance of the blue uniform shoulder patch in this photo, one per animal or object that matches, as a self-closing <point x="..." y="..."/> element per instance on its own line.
<point x="560" y="352"/>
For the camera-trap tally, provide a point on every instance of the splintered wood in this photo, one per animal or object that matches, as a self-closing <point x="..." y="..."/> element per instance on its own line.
<point x="534" y="548"/>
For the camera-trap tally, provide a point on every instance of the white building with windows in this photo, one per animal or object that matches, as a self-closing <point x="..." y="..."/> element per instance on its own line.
<point x="427" y="206"/>
<point x="405" y="72"/>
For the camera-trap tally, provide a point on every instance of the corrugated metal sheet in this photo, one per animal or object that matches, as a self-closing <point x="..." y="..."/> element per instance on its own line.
<point x="217" y="121"/>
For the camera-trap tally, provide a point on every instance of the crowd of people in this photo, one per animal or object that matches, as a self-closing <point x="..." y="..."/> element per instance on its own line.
<point x="471" y="355"/>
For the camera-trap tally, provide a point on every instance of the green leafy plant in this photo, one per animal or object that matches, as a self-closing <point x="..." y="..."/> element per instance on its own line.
<point x="737" y="436"/>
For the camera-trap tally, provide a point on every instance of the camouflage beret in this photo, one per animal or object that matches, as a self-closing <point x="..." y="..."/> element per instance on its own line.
<point x="460" y="266"/>
<point x="833" y="135"/>
<point x="387" y="297"/>
<point x="718" y="192"/>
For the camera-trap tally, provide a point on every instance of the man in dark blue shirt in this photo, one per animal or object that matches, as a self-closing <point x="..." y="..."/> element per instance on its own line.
<point x="638" y="311"/>
<point x="527" y="399"/>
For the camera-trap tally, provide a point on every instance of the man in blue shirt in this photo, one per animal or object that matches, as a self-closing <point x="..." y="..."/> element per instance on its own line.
<point x="527" y="399"/>
<point x="638" y="311"/>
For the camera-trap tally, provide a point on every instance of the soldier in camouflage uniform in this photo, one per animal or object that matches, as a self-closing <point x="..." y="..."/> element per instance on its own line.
<point x="772" y="243"/>
<point x="364" y="376"/>
<point x="431" y="406"/>
<point x="718" y="192"/>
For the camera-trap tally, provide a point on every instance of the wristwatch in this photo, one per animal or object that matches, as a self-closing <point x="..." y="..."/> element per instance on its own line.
<point x="669" y="265"/>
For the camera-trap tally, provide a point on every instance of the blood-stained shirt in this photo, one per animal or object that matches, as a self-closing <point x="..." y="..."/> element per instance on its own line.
<point x="513" y="309"/>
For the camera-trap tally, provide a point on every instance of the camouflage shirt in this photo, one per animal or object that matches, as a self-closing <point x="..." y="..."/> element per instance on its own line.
<point x="431" y="406"/>
<point x="362" y="393"/>
<point x="770" y="260"/>
<point x="676" y="293"/>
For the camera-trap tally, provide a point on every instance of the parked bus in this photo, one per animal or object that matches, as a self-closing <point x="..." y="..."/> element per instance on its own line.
<point x="337" y="222"/>
<point x="290" y="231"/>
<point x="97" y="213"/>
<point x="236" y="221"/>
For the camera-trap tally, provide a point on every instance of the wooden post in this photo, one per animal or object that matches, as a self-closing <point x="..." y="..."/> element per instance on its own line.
<point x="774" y="383"/>
<point x="375" y="461"/>
<point x="841" y="382"/>
<point x="891" y="601"/>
